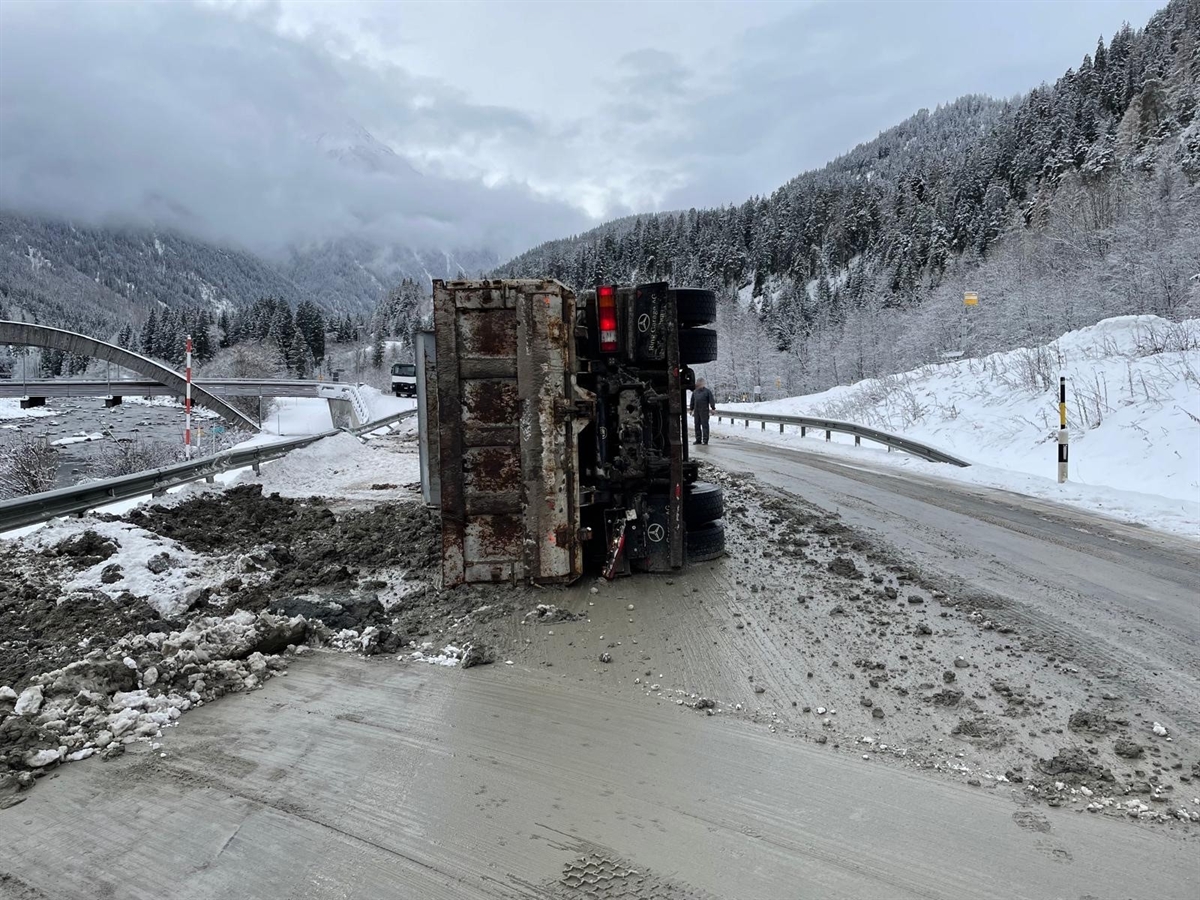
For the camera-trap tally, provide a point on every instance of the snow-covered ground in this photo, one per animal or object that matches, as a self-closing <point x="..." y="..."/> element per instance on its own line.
<point x="11" y="409"/>
<point x="298" y="416"/>
<point x="342" y="466"/>
<point x="1133" y="417"/>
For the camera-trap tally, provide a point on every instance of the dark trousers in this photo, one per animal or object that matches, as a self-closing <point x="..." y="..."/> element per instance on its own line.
<point x="702" y="429"/>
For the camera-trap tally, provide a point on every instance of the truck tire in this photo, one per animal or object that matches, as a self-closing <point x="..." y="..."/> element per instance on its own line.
<point x="697" y="345"/>
<point x="702" y="502"/>
<point x="695" y="307"/>
<point x="705" y="542"/>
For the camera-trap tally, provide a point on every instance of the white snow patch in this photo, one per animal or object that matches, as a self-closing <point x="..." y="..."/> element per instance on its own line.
<point x="11" y="409"/>
<point x="1133" y="418"/>
<point x="343" y="466"/>
<point x="164" y="591"/>
<point x="447" y="656"/>
<point x="80" y="438"/>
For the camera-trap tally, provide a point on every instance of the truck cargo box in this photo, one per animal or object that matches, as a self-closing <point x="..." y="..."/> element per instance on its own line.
<point x="505" y="424"/>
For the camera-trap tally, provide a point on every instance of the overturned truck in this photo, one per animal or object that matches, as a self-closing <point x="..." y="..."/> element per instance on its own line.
<point x="554" y="431"/>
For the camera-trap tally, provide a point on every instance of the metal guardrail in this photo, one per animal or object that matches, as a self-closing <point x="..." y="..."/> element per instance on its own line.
<point x="225" y="387"/>
<point x="35" y="508"/>
<point x="891" y="441"/>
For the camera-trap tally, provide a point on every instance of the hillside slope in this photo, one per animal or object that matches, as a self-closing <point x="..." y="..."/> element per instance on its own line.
<point x="1074" y="203"/>
<point x="96" y="279"/>
<point x="1133" y="416"/>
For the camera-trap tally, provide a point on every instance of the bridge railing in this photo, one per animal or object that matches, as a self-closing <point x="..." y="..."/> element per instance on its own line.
<point x="830" y="426"/>
<point x="22" y="511"/>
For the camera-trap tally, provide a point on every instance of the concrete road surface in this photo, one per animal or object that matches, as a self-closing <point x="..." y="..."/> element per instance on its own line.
<point x="1125" y="598"/>
<point x="369" y="779"/>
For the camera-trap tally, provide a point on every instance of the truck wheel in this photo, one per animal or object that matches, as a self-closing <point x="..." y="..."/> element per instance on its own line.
<point x="705" y="542"/>
<point x="697" y="345"/>
<point x="695" y="307"/>
<point x="702" y="502"/>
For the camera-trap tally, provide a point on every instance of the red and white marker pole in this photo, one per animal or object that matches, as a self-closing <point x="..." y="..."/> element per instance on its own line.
<point x="187" y="403"/>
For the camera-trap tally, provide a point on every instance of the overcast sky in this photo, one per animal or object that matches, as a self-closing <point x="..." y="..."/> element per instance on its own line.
<point x="460" y="125"/>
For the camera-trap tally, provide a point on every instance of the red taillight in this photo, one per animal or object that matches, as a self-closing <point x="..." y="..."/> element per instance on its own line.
<point x="606" y="309"/>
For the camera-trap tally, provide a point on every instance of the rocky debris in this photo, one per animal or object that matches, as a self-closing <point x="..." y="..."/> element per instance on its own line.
<point x="85" y="549"/>
<point x="1073" y="765"/>
<point x="1127" y="749"/>
<point x="43" y="627"/>
<point x="923" y="629"/>
<point x="548" y="614"/>
<point x="355" y="611"/>
<point x="375" y="641"/>
<point x="111" y="574"/>
<point x="1159" y="729"/>
<point x="982" y="729"/>
<point x="1089" y="721"/>
<point x="296" y="542"/>
<point x="476" y="654"/>
<point x="138" y="686"/>
<point x="844" y="567"/>
<point x="159" y="563"/>
<point x="29" y="702"/>
<point x="606" y="657"/>
<point x="961" y="663"/>
<point x="946" y="697"/>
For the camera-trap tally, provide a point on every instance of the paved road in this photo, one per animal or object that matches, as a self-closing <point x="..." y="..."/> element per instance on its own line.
<point x="1126" y="598"/>
<point x="366" y="779"/>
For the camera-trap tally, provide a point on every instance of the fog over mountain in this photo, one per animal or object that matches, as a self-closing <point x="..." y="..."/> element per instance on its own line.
<point x="193" y="118"/>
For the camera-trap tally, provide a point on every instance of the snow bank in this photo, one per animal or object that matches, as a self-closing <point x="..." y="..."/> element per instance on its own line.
<point x="343" y="466"/>
<point x="298" y="416"/>
<point x="1133" y="416"/>
<point x="11" y="409"/>
<point x="382" y="404"/>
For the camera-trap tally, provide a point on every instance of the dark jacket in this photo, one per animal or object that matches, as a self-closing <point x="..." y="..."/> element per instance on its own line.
<point x="702" y="401"/>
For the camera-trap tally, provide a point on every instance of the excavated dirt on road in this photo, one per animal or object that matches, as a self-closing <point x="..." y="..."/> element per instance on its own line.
<point x="807" y="629"/>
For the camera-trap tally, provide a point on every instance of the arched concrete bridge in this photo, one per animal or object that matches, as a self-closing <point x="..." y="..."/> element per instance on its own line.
<point x="81" y="345"/>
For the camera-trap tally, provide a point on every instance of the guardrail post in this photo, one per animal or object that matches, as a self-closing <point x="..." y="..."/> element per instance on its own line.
<point x="209" y="479"/>
<point x="857" y="441"/>
<point x="781" y="428"/>
<point x="803" y="430"/>
<point x="255" y="466"/>
<point x="828" y="435"/>
<point x="763" y="423"/>
<point x="747" y="423"/>
<point x="1063" y="436"/>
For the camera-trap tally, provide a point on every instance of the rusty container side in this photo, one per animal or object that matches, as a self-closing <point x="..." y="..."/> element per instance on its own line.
<point x="545" y="363"/>
<point x="508" y="498"/>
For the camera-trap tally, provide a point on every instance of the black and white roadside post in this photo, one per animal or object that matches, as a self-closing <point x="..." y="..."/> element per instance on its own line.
<point x="1062" y="430"/>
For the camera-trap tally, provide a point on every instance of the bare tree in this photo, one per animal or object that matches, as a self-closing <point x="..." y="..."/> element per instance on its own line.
<point x="124" y="457"/>
<point x="29" y="466"/>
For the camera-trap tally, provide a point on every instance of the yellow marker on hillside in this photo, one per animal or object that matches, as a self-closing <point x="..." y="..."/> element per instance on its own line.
<point x="970" y="298"/>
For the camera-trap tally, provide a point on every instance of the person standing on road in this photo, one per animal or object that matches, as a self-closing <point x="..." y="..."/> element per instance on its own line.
<point x="703" y="402"/>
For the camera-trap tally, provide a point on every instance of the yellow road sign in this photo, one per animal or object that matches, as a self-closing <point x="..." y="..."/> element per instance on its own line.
<point x="970" y="298"/>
